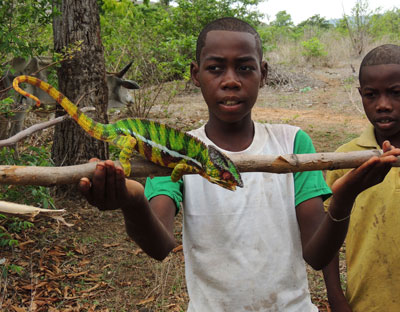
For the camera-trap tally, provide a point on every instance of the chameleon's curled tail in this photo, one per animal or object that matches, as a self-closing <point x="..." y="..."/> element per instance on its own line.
<point x="95" y="129"/>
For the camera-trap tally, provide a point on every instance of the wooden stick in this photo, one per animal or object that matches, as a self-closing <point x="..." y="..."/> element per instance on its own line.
<point x="37" y="127"/>
<point x="12" y="208"/>
<point x="50" y="176"/>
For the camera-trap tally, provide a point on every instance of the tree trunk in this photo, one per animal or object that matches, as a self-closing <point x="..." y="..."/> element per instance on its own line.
<point x="81" y="77"/>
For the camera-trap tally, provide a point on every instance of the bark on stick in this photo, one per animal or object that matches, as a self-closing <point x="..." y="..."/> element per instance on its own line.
<point x="50" y="176"/>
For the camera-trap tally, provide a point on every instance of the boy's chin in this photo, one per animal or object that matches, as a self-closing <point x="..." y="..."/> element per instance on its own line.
<point x="386" y="132"/>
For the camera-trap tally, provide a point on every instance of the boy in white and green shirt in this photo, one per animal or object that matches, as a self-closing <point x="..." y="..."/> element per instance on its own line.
<point x="249" y="239"/>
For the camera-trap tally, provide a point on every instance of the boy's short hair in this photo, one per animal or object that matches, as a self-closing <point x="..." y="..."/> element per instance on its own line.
<point x="228" y="24"/>
<point x="381" y="55"/>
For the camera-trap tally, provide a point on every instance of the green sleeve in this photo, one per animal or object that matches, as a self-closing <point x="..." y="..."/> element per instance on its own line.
<point x="308" y="184"/>
<point x="164" y="186"/>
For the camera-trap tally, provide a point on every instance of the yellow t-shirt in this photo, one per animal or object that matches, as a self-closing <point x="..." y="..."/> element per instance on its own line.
<point x="373" y="239"/>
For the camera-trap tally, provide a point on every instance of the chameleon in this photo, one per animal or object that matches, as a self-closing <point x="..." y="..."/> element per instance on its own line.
<point x="157" y="142"/>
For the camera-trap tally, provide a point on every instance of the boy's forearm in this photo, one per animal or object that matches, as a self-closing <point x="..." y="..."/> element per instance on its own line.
<point x="144" y="226"/>
<point x="336" y="297"/>
<point x="330" y="234"/>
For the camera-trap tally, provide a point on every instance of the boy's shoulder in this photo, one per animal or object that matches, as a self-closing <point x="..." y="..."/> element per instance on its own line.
<point x="261" y="129"/>
<point x="277" y="127"/>
<point x="366" y="140"/>
<point x="277" y="130"/>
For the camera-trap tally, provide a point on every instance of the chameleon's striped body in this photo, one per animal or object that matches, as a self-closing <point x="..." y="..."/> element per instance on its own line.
<point x="157" y="142"/>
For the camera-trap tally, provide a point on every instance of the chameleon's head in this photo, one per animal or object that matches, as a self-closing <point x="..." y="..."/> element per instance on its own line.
<point x="221" y="170"/>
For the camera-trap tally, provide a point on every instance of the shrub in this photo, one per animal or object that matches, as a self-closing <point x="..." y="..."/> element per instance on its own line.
<point x="313" y="48"/>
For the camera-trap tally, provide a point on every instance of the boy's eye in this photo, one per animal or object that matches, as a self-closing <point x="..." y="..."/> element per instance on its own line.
<point x="214" y="67"/>
<point x="246" y="68"/>
<point x="396" y="92"/>
<point x="368" y="94"/>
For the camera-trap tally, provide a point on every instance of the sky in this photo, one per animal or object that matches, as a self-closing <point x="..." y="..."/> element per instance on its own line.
<point x="300" y="10"/>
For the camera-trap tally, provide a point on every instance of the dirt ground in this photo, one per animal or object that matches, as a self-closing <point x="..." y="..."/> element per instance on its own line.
<point x="91" y="264"/>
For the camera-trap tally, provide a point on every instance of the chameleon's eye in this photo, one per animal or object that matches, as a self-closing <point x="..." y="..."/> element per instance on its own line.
<point x="226" y="175"/>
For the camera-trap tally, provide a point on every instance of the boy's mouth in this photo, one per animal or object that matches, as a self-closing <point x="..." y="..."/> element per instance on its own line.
<point x="230" y="103"/>
<point x="385" y="122"/>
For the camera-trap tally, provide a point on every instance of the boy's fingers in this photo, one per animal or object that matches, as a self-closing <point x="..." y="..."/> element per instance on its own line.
<point x="120" y="183"/>
<point x="386" y="146"/>
<point x="84" y="186"/>
<point x="107" y="187"/>
<point x="111" y="195"/>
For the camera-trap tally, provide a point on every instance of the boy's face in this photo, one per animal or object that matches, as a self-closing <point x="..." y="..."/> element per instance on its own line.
<point x="380" y="93"/>
<point x="230" y="74"/>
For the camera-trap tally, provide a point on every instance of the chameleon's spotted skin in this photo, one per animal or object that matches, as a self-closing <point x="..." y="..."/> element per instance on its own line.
<point x="157" y="142"/>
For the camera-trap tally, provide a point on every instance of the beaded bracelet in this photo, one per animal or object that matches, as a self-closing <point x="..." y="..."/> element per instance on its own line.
<point x="337" y="220"/>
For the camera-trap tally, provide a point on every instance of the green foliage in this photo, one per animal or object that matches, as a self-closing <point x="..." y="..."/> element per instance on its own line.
<point x="280" y="28"/>
<point x="386" y="24"/>
<point x="10" y="268"/>
<point x="161" y="39"/>
<point x="10" y="226"/>
<point x="282" y="19"/>
<point x="313" y="48"/>
<point x="25" y="27"/>
<point x="6" y="109"/>
<point x="29" y="195"/>
<point x="315" y="21"/>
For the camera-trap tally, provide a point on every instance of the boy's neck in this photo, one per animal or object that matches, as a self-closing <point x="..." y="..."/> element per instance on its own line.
<point x="394" y="140"/>
<point x="234" y="137"/>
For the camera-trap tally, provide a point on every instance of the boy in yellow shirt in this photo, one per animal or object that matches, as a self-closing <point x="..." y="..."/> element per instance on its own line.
<point x="373" y="239"/>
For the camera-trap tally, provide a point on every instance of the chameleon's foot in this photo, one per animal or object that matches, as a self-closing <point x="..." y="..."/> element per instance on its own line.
<point x="180" y="170"/>
<point x="127" y="171"/>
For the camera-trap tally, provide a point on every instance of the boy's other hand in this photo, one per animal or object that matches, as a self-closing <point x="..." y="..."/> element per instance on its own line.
<point x="108" y="190"/>
<point x="370" y="173"/>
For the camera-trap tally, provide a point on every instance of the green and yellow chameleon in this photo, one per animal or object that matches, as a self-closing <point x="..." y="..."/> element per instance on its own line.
<point x="161" y="144"/>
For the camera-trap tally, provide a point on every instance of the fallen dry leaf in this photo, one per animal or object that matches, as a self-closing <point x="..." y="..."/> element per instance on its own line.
<point x="77" y="274"/>
<point x="111" y="245"/>
<point x="23" y="244"/>
<point x="144" y="301"/>
<point x="178" y="248"/>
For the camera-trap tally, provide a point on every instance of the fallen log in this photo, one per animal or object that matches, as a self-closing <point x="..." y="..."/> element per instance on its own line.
<point x="50" y="176"/>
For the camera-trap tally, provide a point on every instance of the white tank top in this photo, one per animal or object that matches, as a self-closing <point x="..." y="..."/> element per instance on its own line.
<point x="242" y="249"/>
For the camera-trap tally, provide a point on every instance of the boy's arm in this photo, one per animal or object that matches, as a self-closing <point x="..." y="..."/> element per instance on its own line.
<point x="322" y="234"/>
<point x="337" y="300"/>
<point x="149" y="224"/>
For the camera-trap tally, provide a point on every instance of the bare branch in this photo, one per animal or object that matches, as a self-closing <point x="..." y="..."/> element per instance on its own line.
<point x="29" y="131"/>
<point x="12" y="208"/>
<point x="49" y="176"/>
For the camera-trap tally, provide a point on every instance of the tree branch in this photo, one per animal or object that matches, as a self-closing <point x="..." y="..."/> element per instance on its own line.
<point x="25" y="210"/>
<point x="50" y="176"/>
<point x="40" y="126"/>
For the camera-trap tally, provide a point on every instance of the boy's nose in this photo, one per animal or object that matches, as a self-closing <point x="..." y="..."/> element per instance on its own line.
<point x="384" y="104"/>
<point x="230" y="80"/>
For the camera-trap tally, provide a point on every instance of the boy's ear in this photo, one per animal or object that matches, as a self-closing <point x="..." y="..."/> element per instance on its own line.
<point x="359" y="90"/>
<point x="264" y="73"/>
<point x="194" y="70"/>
